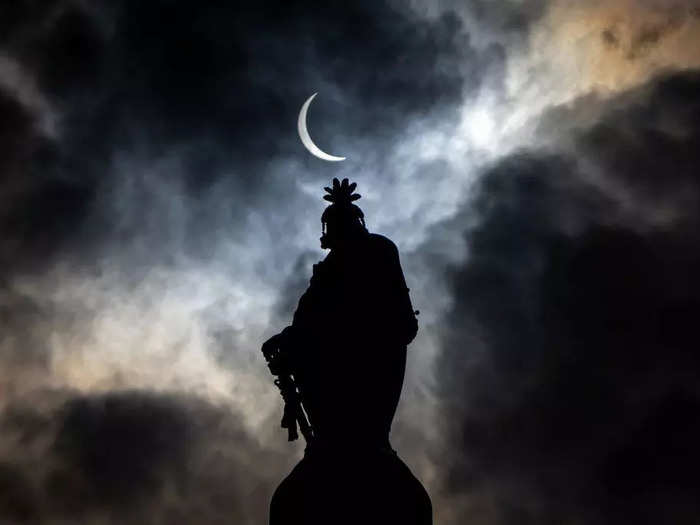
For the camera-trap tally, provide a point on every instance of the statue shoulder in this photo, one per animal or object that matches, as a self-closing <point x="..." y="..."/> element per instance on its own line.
<point x="383" y="244"/>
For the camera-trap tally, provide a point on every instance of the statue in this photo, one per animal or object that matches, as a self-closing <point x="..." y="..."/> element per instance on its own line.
<point x="340" y="368"/>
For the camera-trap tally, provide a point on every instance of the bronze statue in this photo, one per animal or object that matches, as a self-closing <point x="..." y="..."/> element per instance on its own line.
<point x="340" y="368"/>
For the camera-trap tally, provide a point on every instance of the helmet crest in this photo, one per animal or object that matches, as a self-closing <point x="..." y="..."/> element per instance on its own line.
<point x="341" y="193"/>
<point x="342" y="209"/>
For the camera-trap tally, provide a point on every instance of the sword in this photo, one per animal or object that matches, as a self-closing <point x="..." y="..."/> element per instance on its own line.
<point x="294" y="413"/>
<point x="293" y="410"/>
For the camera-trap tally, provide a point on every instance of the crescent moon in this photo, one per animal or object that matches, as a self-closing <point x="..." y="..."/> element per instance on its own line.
<point x="306" y="138"/>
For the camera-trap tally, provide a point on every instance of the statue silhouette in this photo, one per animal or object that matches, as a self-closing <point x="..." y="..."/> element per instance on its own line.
<point x="340" y="368"/>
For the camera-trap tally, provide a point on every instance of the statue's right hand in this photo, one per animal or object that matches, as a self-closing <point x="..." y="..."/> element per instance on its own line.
<point x="276" y="359"/>
<point x="271" y="347"/>
<point x="276" y="351"/>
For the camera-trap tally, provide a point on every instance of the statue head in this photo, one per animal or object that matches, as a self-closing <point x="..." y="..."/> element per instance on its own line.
<point x="342" y="221"/>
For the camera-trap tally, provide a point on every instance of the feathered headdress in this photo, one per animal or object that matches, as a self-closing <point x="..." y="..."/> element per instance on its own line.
<point x="342" y="197"/>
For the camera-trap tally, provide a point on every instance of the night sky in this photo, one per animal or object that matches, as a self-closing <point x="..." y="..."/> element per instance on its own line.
<point x="536" y="162"/>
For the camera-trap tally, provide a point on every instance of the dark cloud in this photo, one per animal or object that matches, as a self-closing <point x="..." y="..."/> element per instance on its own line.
<point x="29" y="195"/>
<point x="122" y="446"/>
<point x="570" y="367"/>
<point x="129" y="456"/>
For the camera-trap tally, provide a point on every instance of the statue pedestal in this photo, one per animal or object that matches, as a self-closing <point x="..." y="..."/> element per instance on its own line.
<point x="338" y="486"/>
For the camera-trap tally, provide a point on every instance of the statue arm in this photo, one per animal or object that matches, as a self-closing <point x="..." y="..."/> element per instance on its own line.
<point x="278" y="348"/>
<point x="304" y="320"/>
<point x="283" y="342"/>
<point x="305" y="313"/>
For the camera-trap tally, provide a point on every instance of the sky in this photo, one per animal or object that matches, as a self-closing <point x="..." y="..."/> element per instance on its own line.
<point x="535" y="161"/>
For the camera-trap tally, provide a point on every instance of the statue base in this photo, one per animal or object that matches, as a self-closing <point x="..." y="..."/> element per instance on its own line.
<point x="340" y="487"/>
